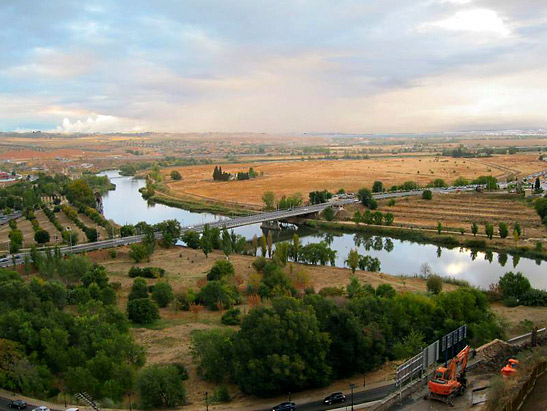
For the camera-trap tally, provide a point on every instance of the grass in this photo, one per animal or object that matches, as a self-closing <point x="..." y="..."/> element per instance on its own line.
<point x="197" y="206"/>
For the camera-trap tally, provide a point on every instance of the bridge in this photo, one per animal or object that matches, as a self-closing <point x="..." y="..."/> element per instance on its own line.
<point x="16" y="259"/>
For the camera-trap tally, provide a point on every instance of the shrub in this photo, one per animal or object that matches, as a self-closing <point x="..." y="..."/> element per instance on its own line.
<point x="113" y="253"/>
<point x="331" y="291"/>
<point x="41" y="236"/>
<point x="231" y="317"/>
<point x="175" y="175"/>
<point x="220" y="270"/>
<point x="435" y="284"/>
<point x="427" y="194"/>
<point x="218" y="292"/>
<point x="142" y="311"/>
<point x="183" y="301"/>
<point x="162" y="294"/>
<point x="222" y="394"/>
<point x="510" y="302"/>
<point x="514" y="285"/>
<point x="138" y="252"/>
<point x="146" y="272"/>
<point x="139" y="289"/>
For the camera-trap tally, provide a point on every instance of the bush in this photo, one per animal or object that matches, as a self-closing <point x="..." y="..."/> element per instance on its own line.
<point x="146" y="272"/>
<point x="142" y="311"/>
<point x="161" y="386"/>
<point x="218" y="292"/>
<point x="231" y="317"/>
<point x="162" y="294"/>
<point x="175" y="175"/>
<point x="41" y="236"/>
<point x="139" y="289"/>
<point x="183" y="301"/>
<point x="435" y="284"/>
<point x="113" y="253"/>
<point x="138" y="252"/>
<point x="510" y="302"/>
<point x="427" y="195"/>
<point x="514" y="285"/>
<point x="331" y="291"/>
<point x="220" y="270"/>
<point x="222" y="394"/>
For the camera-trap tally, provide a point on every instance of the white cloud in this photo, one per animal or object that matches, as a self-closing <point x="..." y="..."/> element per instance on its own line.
<point x="474" y="21"/>
<point x="99" y="124"/>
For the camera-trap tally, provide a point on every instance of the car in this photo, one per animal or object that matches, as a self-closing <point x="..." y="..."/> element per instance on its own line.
<point x="334" y="398"/>
<point x="285" y="406"/>
<point x="72" y="409"/>
<point x="41" y="408"/>
<point x="19" y="404"/>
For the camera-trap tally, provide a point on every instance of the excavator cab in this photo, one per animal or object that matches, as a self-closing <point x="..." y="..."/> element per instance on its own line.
<point x="441" y="375"/>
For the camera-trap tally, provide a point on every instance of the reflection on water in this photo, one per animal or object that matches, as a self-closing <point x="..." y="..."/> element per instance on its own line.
<point x="126" y="205"/>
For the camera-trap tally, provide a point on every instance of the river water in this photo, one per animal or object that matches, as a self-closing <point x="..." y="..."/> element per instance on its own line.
<point x="398" y="257"/>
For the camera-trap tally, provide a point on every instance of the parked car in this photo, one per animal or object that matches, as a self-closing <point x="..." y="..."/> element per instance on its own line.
<point x="19" y="404"/>
<point x="72" y="409"/>
<point x="41" y="408"/>
<point x="285" y="406"/>
<point x="334" y="398"/>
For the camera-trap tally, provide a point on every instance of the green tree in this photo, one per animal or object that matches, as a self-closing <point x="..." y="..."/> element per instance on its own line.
<point x="489" y="230"/>
<point x="517" y="228"/>
<point x="377" y="187"/>
<point x="460" y="182"/>
<point x="91" y="234"/>
<point x="162" y="294"/>
<point x="142" y="311"/>
<point x="218" y="292"/>
<point x="439" y="227"/>
<point x="474" y="229"/>
<point x="175" y="175"/>
<point x="328" y="213"/>
<point x="268" y="198"/>
<point x="438" y="182"/>
<point x="503" y="230"/>
<point x="434" y="284"/>
<point x="139" y="289"/>
<point x="514" y="285"/>
<point x="388" y="218"/>
<point x="280" y="349"/>
<point x="410" y="345"/>
<point x="138" y="252"/>
<point x="365" y="196"/>
<point x="206" y="242"/>
<point x="191" y="239"/>
<point x="295" y="247"/>
<point x="212" y="349"/>
<point x="353" y="260"/>
<point x="128" y="230"/>
<point x="269" y="243"/>
<point x="427" y="195"/>
<point x="263" y="245"/>
<point x="226" y="243"/>
<point x="220" y="270"/>
<point x="70" y="237"/>
<point x="255" y="244"/>
<point x="41" y="236"/>
<point x="161" y="386"/>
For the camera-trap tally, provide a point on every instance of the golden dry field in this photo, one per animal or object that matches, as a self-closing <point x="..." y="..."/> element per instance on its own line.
<point x="460" y="210"/>
<point x="289" y="177"/>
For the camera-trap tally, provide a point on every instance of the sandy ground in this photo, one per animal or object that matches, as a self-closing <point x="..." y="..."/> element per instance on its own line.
<point x="286" y="178"/>
<point x="521" y="320"/>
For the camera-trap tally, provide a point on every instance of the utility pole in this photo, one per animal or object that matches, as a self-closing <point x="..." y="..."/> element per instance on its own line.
<point x="352" y="386"/>
<point x="206" y="401"/>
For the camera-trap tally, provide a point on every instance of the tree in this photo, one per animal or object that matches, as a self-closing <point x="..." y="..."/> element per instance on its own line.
<point x="269" y="241"/>
<point x="365" y="196"/>
<point x="503" y="230"/>
<point x="438" y="182"/>
<point x="139" y="289"/>
<point x="191" y="239"/>
<point x="427" y="195"/>
<point x="226" y="243"/>
<point x="268" y="198"/>
<point x="206" y="241"/>
<point x="161" y="386"/>
<point x="162" y="294"/>
<point x="439" y="227"/>
<point x="328" y="213"/>
<point x="255" y="244"/>
<point x="489" y="230"/>
<point x="514" y="285"/>
<point x="474" y="229"/>
<point x="138" y="252"/>
<point x="220" y="270"/>
<point x="280" y="349"/>
<point x="377" y="187"/>
<point x="388" y="218"/>
<point x="79" y="193"/>
<point x="295" y="247"/>
<point x="128" y="230"/>
<point x="218" y="292"/>
<point x="231" y="317"/>
<point x="212" y="349"/>
<point x="142" y="311"/>
<point x="517" y="228"/>
<point x="91" y="234"/>
<point x="149" y="240"/>
<point x="434" y="284"/>
<point x="353" y="260"/>
<point x="263" y="245"/>
<point x="460" y="182"/>
<point x="41" y="236"/>
<point x="175" y="175"/>
<point x="70" y="237"/>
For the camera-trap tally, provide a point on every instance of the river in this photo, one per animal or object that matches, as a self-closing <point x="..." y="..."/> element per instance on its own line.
<point x="398" y="257"/>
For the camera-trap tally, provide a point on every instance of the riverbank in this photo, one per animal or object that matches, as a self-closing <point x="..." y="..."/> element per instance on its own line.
<point x="427" y="237"/>
<point x="200" y="205"/>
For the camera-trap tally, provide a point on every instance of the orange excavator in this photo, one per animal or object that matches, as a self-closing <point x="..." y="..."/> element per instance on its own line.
<point x="449" y="382"/>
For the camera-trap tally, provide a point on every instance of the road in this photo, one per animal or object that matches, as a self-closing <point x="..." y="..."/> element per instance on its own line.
<point x="5" y="401"/>
<point x="18" y="259"/>
<point x="359" y="397"/>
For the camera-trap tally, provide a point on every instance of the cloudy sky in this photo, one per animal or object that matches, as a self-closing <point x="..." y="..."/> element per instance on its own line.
<point x="357" y="66"/>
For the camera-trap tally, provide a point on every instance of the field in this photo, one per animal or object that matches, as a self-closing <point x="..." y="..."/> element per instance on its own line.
<point x="286" y="178"/>
<point x="457" y="211"/>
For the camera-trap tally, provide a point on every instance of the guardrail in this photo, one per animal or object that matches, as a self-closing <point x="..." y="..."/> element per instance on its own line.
<point x="527" y="337"/>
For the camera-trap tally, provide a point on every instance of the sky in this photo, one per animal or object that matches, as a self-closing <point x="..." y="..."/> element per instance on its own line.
<point x="279" y="66"/>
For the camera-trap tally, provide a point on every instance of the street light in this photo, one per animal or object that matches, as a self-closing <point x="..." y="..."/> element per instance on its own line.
<point x="206" y="401"/>
<point x="352" y="386"/>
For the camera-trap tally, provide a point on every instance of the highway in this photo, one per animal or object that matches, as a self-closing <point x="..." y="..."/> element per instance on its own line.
<point x="228" y="223"/>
